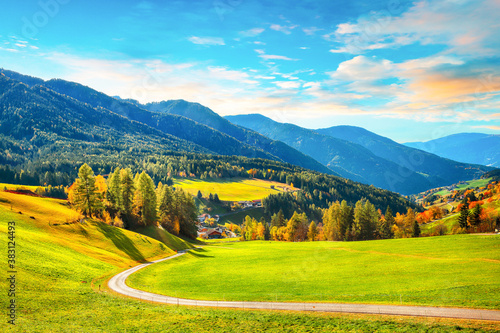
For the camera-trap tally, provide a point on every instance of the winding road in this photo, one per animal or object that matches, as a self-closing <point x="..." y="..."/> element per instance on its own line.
<point x="117" y="283"/>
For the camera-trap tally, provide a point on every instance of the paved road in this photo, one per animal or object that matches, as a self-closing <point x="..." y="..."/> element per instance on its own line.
<point x="117" y="283"/>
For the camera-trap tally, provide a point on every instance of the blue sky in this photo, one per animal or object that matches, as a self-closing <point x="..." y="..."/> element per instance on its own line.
<point x="411" y="71"/>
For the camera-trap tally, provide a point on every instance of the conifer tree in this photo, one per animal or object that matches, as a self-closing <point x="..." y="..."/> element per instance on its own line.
<point x="147" y="199"/>
<point x="113" y="194"/>
<point x="127" y="189"/>
<point x="416" y="229"/>
<point x="464" y="214"/>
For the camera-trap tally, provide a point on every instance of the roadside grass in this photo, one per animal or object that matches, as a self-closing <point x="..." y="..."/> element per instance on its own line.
<point x="234" y="189"/>
<point x="455" y="271"/>
<point x="61" y="285"/>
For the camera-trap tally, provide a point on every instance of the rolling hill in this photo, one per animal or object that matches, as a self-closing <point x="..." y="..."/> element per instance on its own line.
<point x="465" y="147"/>
<point x="363" y="156"/>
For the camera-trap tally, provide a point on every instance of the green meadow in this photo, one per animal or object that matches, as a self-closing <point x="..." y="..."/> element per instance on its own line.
<point x="231" y="190"/>
<point x="455" y="271"/>
<point x="63" y="265"/>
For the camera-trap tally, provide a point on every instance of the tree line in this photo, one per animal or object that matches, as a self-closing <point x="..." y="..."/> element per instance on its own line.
<point x="133" y="201"/>
<point x="340" y="222"/>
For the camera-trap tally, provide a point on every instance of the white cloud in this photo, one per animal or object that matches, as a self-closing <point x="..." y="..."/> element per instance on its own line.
<point x="206" y="40"/>
<point x="276" y="57"/>
<point x="311" y="31"/>
<point x="288" y="84"/>
<point x="286" y="29"/>
<point x="461" y="27"/>
<point x="252" y="32"/>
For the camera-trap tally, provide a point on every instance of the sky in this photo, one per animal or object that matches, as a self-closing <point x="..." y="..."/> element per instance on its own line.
<point x="407" y="70"/>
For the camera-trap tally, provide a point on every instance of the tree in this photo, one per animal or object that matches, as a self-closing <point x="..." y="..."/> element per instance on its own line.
<point x="365" y="220"/>
<point x="386" y="223"/>
<point x="216" y="198"/>
<point x="475" y="215"/>
<point x="313" y="232"/>
<point x="464" y="214"/>
<point x="416" y="229"/>
<point x="199" y="195"/>
<point x="114" y="189"/>
<point x="127" y="189"/>
<point x="297" y="227"/>
<point x="145" y="199"/>
<point x="166" y="211"/>
<point x="86" y="197"/>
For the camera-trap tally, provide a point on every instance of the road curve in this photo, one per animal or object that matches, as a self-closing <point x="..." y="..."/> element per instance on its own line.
<point x="117" y="283"/>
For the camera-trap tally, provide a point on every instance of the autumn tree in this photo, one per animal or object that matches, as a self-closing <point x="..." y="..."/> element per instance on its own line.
<point x="313" y="232"/>
<point x="86" y="197"/>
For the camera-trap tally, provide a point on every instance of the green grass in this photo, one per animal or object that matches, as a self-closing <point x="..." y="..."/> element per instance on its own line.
<point x="60" y="269"/>
<point x="234" y="189"/>
<point x="237" y="218"/>
<point x="459" y="270"/>
<point x="474" y="183"/>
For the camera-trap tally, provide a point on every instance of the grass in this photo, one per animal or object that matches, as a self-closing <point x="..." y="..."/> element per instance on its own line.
<point x="458" y="271"/>
<point x="61" y="285"/>
<point x="238" y="217"/>
<point x="474" y="183"/>
<point x="14" y="187"/>
<point x="234" y="189"/>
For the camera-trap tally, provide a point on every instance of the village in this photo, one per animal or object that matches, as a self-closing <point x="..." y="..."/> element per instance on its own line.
<point x="209" y="227"/>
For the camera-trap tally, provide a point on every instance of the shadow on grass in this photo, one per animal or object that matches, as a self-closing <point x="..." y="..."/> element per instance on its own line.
<point x="121" y="241"/>
<point x="198" y="253"/>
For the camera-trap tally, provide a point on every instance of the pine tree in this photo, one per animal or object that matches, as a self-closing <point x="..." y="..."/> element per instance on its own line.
<point x="147" y="199"/>
<point x="281" y="219"/>
<point x="127" y="189"/>
<point x="385" y="226"/>
<point x="199" y="195"/>
<point x="216" y="198"/>
<point x="166" y="210"/>
<point x="416" y="229"/>
<point x="114" y="189"/>
<point x="475" y="215"/>
<point x="464" y="214"/>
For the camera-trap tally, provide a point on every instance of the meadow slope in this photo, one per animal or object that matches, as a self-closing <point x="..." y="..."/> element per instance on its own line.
<point x="61" y="284"/>
<point x="454" y="271"/>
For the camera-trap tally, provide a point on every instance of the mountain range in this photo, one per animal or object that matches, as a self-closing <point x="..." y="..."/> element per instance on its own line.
<point x="475" y="148"/>
<point x="358" y="154"/>
<point x="56" y="116"/>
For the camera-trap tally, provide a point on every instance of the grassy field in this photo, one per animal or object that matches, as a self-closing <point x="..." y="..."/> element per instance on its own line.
<point x="460" y="270"/>
<point x="469" y="184"/>
<point x="61" y="284"/>
<point x="4" y="186"/>
<point x="230" y="190"/>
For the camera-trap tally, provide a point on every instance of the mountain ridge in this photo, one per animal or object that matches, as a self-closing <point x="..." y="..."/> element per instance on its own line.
<point x="377" y="160"/>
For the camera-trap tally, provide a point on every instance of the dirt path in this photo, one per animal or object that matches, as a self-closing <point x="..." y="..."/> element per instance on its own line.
<point x="117" y="283"/>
